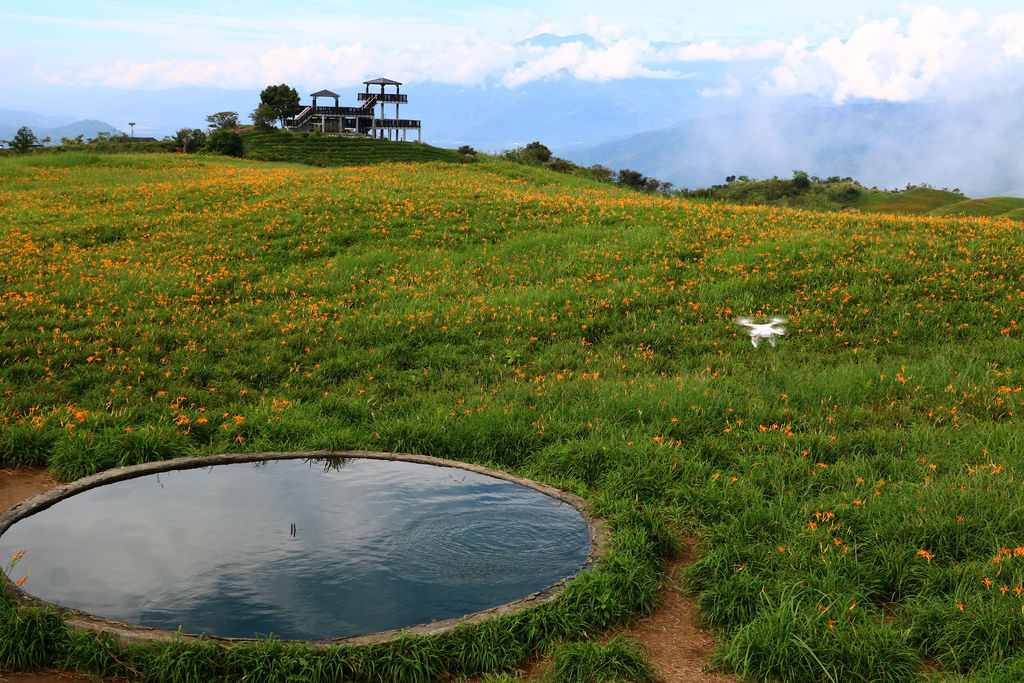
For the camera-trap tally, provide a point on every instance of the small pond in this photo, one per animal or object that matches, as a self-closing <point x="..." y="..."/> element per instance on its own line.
<point x="296" y="548"/>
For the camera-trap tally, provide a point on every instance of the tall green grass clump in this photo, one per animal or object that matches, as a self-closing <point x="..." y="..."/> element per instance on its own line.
<point x="620" y="659"/>
<point x="30" y="637"/>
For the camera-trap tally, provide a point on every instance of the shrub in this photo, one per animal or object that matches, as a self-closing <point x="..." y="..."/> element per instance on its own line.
<point x="226" y="142"/>
<point x="539" y="151"/>
<point x="561" y="165"/>
<point x="190" y="139"/>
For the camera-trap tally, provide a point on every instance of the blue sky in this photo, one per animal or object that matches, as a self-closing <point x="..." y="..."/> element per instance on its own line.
<point x="835" y="52"/>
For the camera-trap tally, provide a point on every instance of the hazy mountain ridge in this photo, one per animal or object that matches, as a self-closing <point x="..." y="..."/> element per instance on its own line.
<point x="53" y="127"/>
<point x="970" y="146"/>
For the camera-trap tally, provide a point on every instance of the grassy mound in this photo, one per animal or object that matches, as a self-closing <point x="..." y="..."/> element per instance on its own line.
<point x="325" y="150"/>
<point x="857" y="489"/>
<point x="990" y="206"/>
<point x="914" y="201"/>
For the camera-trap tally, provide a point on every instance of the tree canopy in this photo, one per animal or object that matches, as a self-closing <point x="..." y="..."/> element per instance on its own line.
<point x="226" y="142"/>
<point x="282" y="99"/>
<point x="190" y="139"/>
<point x="23" y="139"/>
<point x="223" y="120"/>
<point x="264" y="117"/>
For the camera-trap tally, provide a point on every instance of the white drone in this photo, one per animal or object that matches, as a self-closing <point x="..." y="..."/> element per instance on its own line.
<point x="759" y="331"/>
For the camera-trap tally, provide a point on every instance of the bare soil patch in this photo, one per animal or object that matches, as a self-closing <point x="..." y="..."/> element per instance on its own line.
<point x="679" y="648"/>
<point x="17" y="485"/>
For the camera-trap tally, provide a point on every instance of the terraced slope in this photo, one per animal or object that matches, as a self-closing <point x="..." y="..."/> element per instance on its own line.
<point x="324" y="150"/>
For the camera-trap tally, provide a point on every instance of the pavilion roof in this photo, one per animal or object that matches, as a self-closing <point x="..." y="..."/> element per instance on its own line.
<point x="381" y="81"/>
<point x="325" y="93"/>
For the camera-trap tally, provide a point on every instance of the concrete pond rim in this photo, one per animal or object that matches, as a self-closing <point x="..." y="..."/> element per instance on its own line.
<point x="126" y="632"/>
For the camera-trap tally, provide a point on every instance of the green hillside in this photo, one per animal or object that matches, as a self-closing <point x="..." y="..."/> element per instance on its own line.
<point x="844" y="194"/>
<point x="990" y="206"/>
<point x="914" y="201"/>
<point x="326" y="150"/>
<point x="856" y="489"/>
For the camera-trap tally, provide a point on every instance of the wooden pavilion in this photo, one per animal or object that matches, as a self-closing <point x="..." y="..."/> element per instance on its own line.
<point x="362" y="119"/>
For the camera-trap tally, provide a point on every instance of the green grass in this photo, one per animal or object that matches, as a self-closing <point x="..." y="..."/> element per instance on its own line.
<point x="990" y="206"/>
<point x="857" y="489"/>
<point x="837" y="194"/>
<point x="620" y="659"/>
<point x="914" y="201"/>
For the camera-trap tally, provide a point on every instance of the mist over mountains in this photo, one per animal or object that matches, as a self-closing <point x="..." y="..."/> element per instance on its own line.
<point x="973" y="146"/>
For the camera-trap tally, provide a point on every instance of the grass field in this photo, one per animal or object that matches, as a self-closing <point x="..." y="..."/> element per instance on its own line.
<point x="856" y="489"/>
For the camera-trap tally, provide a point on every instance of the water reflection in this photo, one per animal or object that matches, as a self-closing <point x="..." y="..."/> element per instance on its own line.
<point x="299" y="549"/>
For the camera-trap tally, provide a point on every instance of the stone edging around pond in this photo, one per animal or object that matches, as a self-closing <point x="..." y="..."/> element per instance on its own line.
<point x="133" y="633"/>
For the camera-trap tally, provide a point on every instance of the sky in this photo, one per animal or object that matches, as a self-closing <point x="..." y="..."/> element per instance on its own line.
<point x="835" y="52"/>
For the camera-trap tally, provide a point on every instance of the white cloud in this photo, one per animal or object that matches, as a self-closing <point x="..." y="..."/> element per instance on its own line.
<point x="731" y="88"/>
<point x="918" y="53"/>
<point x="626" y="58"/>
<point x="710" y="50"/>
<point x="886" y="60"/>
<point x="1012" y="24"/>
<point x="466" y="63"/>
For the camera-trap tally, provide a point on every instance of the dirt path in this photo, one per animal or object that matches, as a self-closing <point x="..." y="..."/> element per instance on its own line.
<point x="678" y="648"/>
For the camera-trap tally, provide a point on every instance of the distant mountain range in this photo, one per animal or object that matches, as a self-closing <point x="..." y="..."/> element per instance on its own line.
<point x="973" y="146"/>
<point x="53" y="127"/>
<point x="664" y="128"/>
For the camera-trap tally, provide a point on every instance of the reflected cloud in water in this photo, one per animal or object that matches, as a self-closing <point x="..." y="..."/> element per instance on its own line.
<point x="298" y="549"/>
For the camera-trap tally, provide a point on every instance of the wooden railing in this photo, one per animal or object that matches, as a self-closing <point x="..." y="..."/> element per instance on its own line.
<point x="386" y="97"/>
<point x="299" y="118"/>
<point x="395" y="123"/>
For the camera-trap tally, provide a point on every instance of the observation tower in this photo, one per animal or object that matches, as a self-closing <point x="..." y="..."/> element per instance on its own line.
<point x="362" y="119"/>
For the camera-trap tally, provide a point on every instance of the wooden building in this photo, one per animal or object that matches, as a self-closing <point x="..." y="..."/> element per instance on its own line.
<point x="363" y="119"/>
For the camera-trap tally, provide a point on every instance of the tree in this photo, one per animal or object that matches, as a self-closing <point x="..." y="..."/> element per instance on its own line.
<point x="190" y="139"/>
<point x="282" y="99"/>
<point x="603" y="173"/>
<point x="264" y="117"/>
<point x="23" y="139"/>
<point x="638" y="181"/>
<point x="561" y="165"/>
<point x="801" y="181"/>
<point x="631" y="178"/>
<point x="225" y="142"/>
<point x="539" y="151"/>
<point x="223" y="120"/>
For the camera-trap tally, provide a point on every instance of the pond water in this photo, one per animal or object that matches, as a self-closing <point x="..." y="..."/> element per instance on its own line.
<point x="298" y="549"/>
